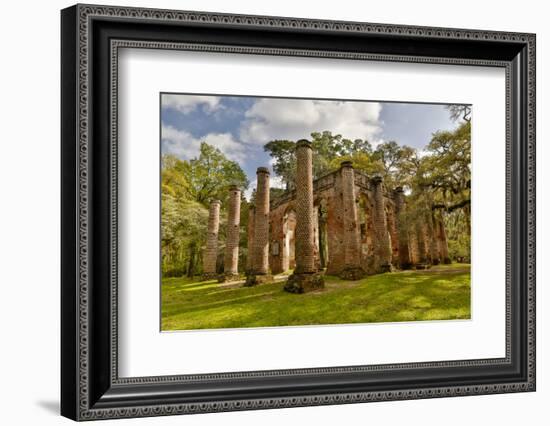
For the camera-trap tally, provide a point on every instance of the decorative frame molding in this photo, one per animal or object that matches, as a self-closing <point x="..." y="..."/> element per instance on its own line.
<point x="91" y="37"/>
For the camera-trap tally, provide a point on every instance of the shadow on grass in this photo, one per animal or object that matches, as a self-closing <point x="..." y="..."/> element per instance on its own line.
<point x="391" y="297"/>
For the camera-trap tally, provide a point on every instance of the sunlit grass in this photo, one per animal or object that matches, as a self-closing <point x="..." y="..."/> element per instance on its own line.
<point x="440" y="293"/>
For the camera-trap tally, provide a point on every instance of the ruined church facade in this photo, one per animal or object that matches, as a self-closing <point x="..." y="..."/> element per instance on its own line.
<point x="359" y="228"/>
<point x="344" y="223"/>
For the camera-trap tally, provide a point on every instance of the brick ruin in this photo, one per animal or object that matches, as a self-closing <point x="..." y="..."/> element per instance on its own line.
<point x="231" y="256"/>
<point x="306" y="276"/>
<point x="210" y="256"/>
<point x="359" y="228"/>
<point x="344" y="223"/>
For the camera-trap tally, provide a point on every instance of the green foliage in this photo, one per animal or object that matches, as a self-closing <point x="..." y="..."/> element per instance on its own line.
<point x="187" y="187"/>
<point x="446" y="171"/>
<point x="362" y="161"/>
<point x="329" y="150"/>
<point x="438" y="294"/>
<point x="183" y="229"/>
<point x="285" y="160"/>
<point x="399" y="163"/>
<point x="210" y="174"/>
<point x="457" y="225"/>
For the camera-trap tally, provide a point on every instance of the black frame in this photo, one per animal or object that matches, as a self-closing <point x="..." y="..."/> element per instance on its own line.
<point x="90" y="386"/>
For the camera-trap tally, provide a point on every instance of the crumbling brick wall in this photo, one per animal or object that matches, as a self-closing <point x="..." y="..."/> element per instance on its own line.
<point x="363" y="221"/>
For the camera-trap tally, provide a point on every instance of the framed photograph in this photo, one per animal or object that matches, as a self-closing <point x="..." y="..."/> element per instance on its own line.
<point x="263" y="212"/>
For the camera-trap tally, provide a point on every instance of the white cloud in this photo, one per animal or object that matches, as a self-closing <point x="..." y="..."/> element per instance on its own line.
<point x="294" y="119"/>
<point x="179" y="142"/>
<point x="186" y="146"/>
<point x="233" y="149"/>
<point x="188" y="103"/>
<point x="276" y="182"/>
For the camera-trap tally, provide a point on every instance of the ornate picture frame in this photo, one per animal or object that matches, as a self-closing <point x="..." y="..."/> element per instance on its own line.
<point x="91" y="386"/>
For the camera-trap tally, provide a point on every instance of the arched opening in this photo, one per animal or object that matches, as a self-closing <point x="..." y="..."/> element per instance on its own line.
<point x="289" y="230"/>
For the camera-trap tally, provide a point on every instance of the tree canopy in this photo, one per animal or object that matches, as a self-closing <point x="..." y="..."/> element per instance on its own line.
<point x="437" y="179"/>
<point x="208" y="175"/>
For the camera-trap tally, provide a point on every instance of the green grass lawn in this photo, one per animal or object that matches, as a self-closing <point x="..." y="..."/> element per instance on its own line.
<point x="440" y="293"/>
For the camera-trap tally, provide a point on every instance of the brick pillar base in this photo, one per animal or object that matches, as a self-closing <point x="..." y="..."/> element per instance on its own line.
<point x="305" y="282"/>
<point x="252" y="280"/>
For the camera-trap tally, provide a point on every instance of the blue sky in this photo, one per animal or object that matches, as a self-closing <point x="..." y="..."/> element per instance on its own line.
<point x="240" y="126"/>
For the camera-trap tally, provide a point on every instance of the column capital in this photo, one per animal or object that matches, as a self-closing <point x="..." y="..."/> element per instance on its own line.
<point x="398" y="189"/>
<point x="303" y="143"/>
<point x="233" y="187"/>
<point x="215" y="202"/>
<point x="346" y="163"/>
<point x="262" y="170"/>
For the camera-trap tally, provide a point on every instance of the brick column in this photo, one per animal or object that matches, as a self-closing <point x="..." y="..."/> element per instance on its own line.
<point x="250" y="238"/>
<point x="305" y="277"/>
<point x="210" y="255"/>
<point x="231" y="258"/>
<point x="305" y="256"/>
<point x="382" y="252"/>
<point x="352" y="237"/>
<point x="260" y="248"/>
<point x="404" y="254"/>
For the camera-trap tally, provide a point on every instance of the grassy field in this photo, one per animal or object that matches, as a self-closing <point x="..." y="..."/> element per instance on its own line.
<point x="440" y="293"/>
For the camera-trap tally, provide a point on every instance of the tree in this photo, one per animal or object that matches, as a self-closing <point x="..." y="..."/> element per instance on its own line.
<point x="283" y="152"/>
<point x="328" y="150"/>
<point x="210" y="174"/>
<point x="362" y="161"/>
<point x="187" y="187"/>
<point x="183" y="226"/>
<point x="400" y="163"/>
<point x="446" y="171"/>
<point x="458" y="112"/>
<point x="442" y="186"/>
